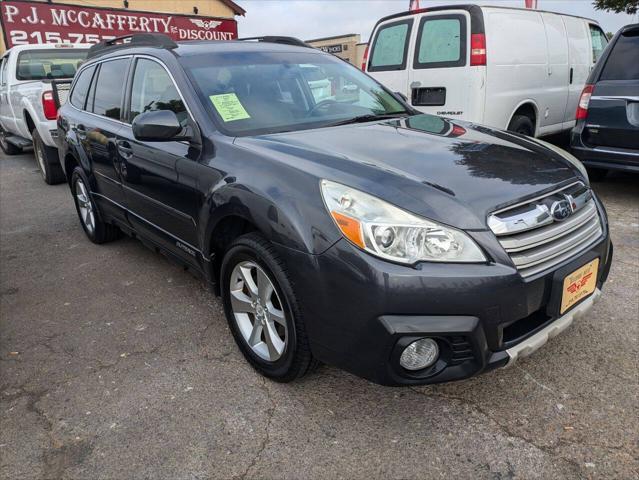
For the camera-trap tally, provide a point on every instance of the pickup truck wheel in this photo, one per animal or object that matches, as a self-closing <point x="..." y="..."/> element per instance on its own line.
<point x="47" y="158"/>
<point x="8" y="148"/>
<point x="92" y="224"/>
<point x="262" y="310"/>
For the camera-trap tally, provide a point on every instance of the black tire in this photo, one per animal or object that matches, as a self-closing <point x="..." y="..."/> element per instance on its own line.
<point x="522" y="124"/>
<point x="101" y="232"/>
<point x="296" y="359"/>
<point x="8" y="148"/>
<point x="47" y="159"/>
<point x="597" y="174"/>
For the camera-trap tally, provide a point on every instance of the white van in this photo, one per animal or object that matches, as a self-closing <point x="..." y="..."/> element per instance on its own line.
<point x="509" y="68"/>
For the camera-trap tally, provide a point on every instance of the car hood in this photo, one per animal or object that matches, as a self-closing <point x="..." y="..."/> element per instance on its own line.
<point x="456" y="173"/>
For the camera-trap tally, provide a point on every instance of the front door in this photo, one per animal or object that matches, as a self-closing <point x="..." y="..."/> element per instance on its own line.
<point x="162" y="203"/>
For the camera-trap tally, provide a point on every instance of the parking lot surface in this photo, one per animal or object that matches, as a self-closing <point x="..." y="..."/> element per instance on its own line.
<point x="115" y="363"/>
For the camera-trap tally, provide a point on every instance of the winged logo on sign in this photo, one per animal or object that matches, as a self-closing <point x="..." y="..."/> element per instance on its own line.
<point x="208" y="24"/>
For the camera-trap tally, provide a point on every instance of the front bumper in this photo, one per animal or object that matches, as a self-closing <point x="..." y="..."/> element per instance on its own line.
<point x="360" y="311"/>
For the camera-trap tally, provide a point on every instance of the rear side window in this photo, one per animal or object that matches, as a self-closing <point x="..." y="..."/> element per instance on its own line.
<point x="154" y="90"/>
<point x="599" y="42"/>
<point x="622" y="62"/>
<point x="441" y="42"/>
<point x="81" y="88"/>
<point x="49" y="64"/>
<point x="390" y="47"/>
<point x="107" y="99"/>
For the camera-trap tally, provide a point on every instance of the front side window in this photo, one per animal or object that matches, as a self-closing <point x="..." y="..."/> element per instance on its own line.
<point x="441" y="42"/>
<point x="81" y="88"/>
<point x="154" y="90"/>
<point x="49" y="64"/>
<point x="266" y="92"/>
<point x="599" y="42"/>
<point x="622" y="62"/>
<point x="390" y="47"/>
<point x="107" y="99"/>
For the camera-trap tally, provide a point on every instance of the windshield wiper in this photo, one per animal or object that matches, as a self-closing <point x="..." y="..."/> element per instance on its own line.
<point x="370" y="117"/>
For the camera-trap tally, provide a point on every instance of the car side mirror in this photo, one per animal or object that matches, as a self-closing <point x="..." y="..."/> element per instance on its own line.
<point x="158" y="126"/>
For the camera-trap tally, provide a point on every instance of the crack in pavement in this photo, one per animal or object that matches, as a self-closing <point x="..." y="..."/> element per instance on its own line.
<point x="267" y="432"/>
<point x="548" y="450"/>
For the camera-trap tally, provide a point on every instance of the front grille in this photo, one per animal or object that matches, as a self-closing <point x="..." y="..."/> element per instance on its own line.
<point x="536" y="241"/>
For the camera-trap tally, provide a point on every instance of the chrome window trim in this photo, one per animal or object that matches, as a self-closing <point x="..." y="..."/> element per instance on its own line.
<point x="177" y="88"/>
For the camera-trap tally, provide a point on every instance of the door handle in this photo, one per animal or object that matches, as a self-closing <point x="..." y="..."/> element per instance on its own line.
<point x="571" y="73"/>
<point x="124" y="149"/>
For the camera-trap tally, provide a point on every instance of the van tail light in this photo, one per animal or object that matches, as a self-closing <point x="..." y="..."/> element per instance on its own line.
<point x="584" y="101"/>
<point x="49" y="106"/>
<point x="365" y="59"/>
<point x="477" y="49"/>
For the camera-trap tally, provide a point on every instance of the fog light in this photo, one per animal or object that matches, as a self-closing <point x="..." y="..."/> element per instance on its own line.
<point x="419" y="354"/>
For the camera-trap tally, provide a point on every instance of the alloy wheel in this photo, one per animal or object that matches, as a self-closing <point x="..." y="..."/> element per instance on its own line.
<point x="85" y="206"/>
<point x="258" y="311"/>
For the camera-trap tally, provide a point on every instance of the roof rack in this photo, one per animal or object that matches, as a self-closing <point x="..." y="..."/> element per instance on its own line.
<point x="157" y="40"/>
<point x="279" y="39"/>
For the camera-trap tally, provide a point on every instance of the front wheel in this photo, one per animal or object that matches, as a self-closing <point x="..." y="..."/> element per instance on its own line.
<point x="262" y="310"/>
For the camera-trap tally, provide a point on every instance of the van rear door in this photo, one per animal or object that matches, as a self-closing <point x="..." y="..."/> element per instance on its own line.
<point x="388" y="58"/>
<point x="441" y="80"/>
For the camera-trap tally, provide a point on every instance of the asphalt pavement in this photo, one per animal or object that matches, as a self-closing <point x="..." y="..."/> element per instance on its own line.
<point x="115" y="363"/>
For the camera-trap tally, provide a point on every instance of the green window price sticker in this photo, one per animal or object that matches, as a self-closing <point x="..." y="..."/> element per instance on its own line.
<point x="229" y="107"/>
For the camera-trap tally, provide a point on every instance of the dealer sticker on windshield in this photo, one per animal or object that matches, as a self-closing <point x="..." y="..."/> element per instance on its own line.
<point x="229" y="107"/>
<point x="579" y="284"/>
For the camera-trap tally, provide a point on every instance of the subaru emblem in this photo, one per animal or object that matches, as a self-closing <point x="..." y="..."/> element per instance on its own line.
<point x="561" y="210"/>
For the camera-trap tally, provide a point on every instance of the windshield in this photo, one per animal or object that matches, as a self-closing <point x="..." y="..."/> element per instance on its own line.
<point x="49" y="64"/>
<point x="269" y="92"/>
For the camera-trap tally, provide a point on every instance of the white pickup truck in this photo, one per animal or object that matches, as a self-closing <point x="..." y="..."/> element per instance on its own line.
<point x="29" y="102"/>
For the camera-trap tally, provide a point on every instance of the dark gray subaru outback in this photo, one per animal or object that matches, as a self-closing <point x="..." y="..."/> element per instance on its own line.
<point x="337" y="223"/>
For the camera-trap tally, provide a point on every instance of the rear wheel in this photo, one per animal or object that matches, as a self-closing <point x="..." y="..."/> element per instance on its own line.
<point x="92" y="224"/>
<point x="522" y="124"/>
<point x="8" y="148"/>
<point x="262" y="310"/>
<point x="47" y="158"/>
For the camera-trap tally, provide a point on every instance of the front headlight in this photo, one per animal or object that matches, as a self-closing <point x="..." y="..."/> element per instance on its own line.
<point x="392" y="233"/>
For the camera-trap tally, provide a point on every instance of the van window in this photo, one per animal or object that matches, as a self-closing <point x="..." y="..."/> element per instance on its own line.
<point x="599" y="42"/>
<point x="81" y="88"/>
<point x="108" y="89"/>
<point x="621" y="63"/>
<point x="390" y="47"/>
<point x="441" y="42"/>
<point x="154" y="90"/>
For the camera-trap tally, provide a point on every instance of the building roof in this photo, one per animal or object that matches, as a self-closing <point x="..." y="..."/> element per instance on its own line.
<point x="335" y="37"/>
<point x="234" y="6"/>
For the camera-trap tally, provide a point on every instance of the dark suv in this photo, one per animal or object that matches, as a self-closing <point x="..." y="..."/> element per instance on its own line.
<point x="338" y="224"/>
<point x="606" y="136"/>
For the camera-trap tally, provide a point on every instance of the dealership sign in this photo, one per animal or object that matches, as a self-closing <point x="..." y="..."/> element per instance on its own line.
<point x="26" y="22"/>
<point x="331" y="49"/>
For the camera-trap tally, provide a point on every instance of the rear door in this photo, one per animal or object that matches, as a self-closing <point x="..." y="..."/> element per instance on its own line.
<point x="99" y="128"/>
<point x="388" y="59"/>
<point x="613" y="112"/>
<point x="439" y="74"/>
